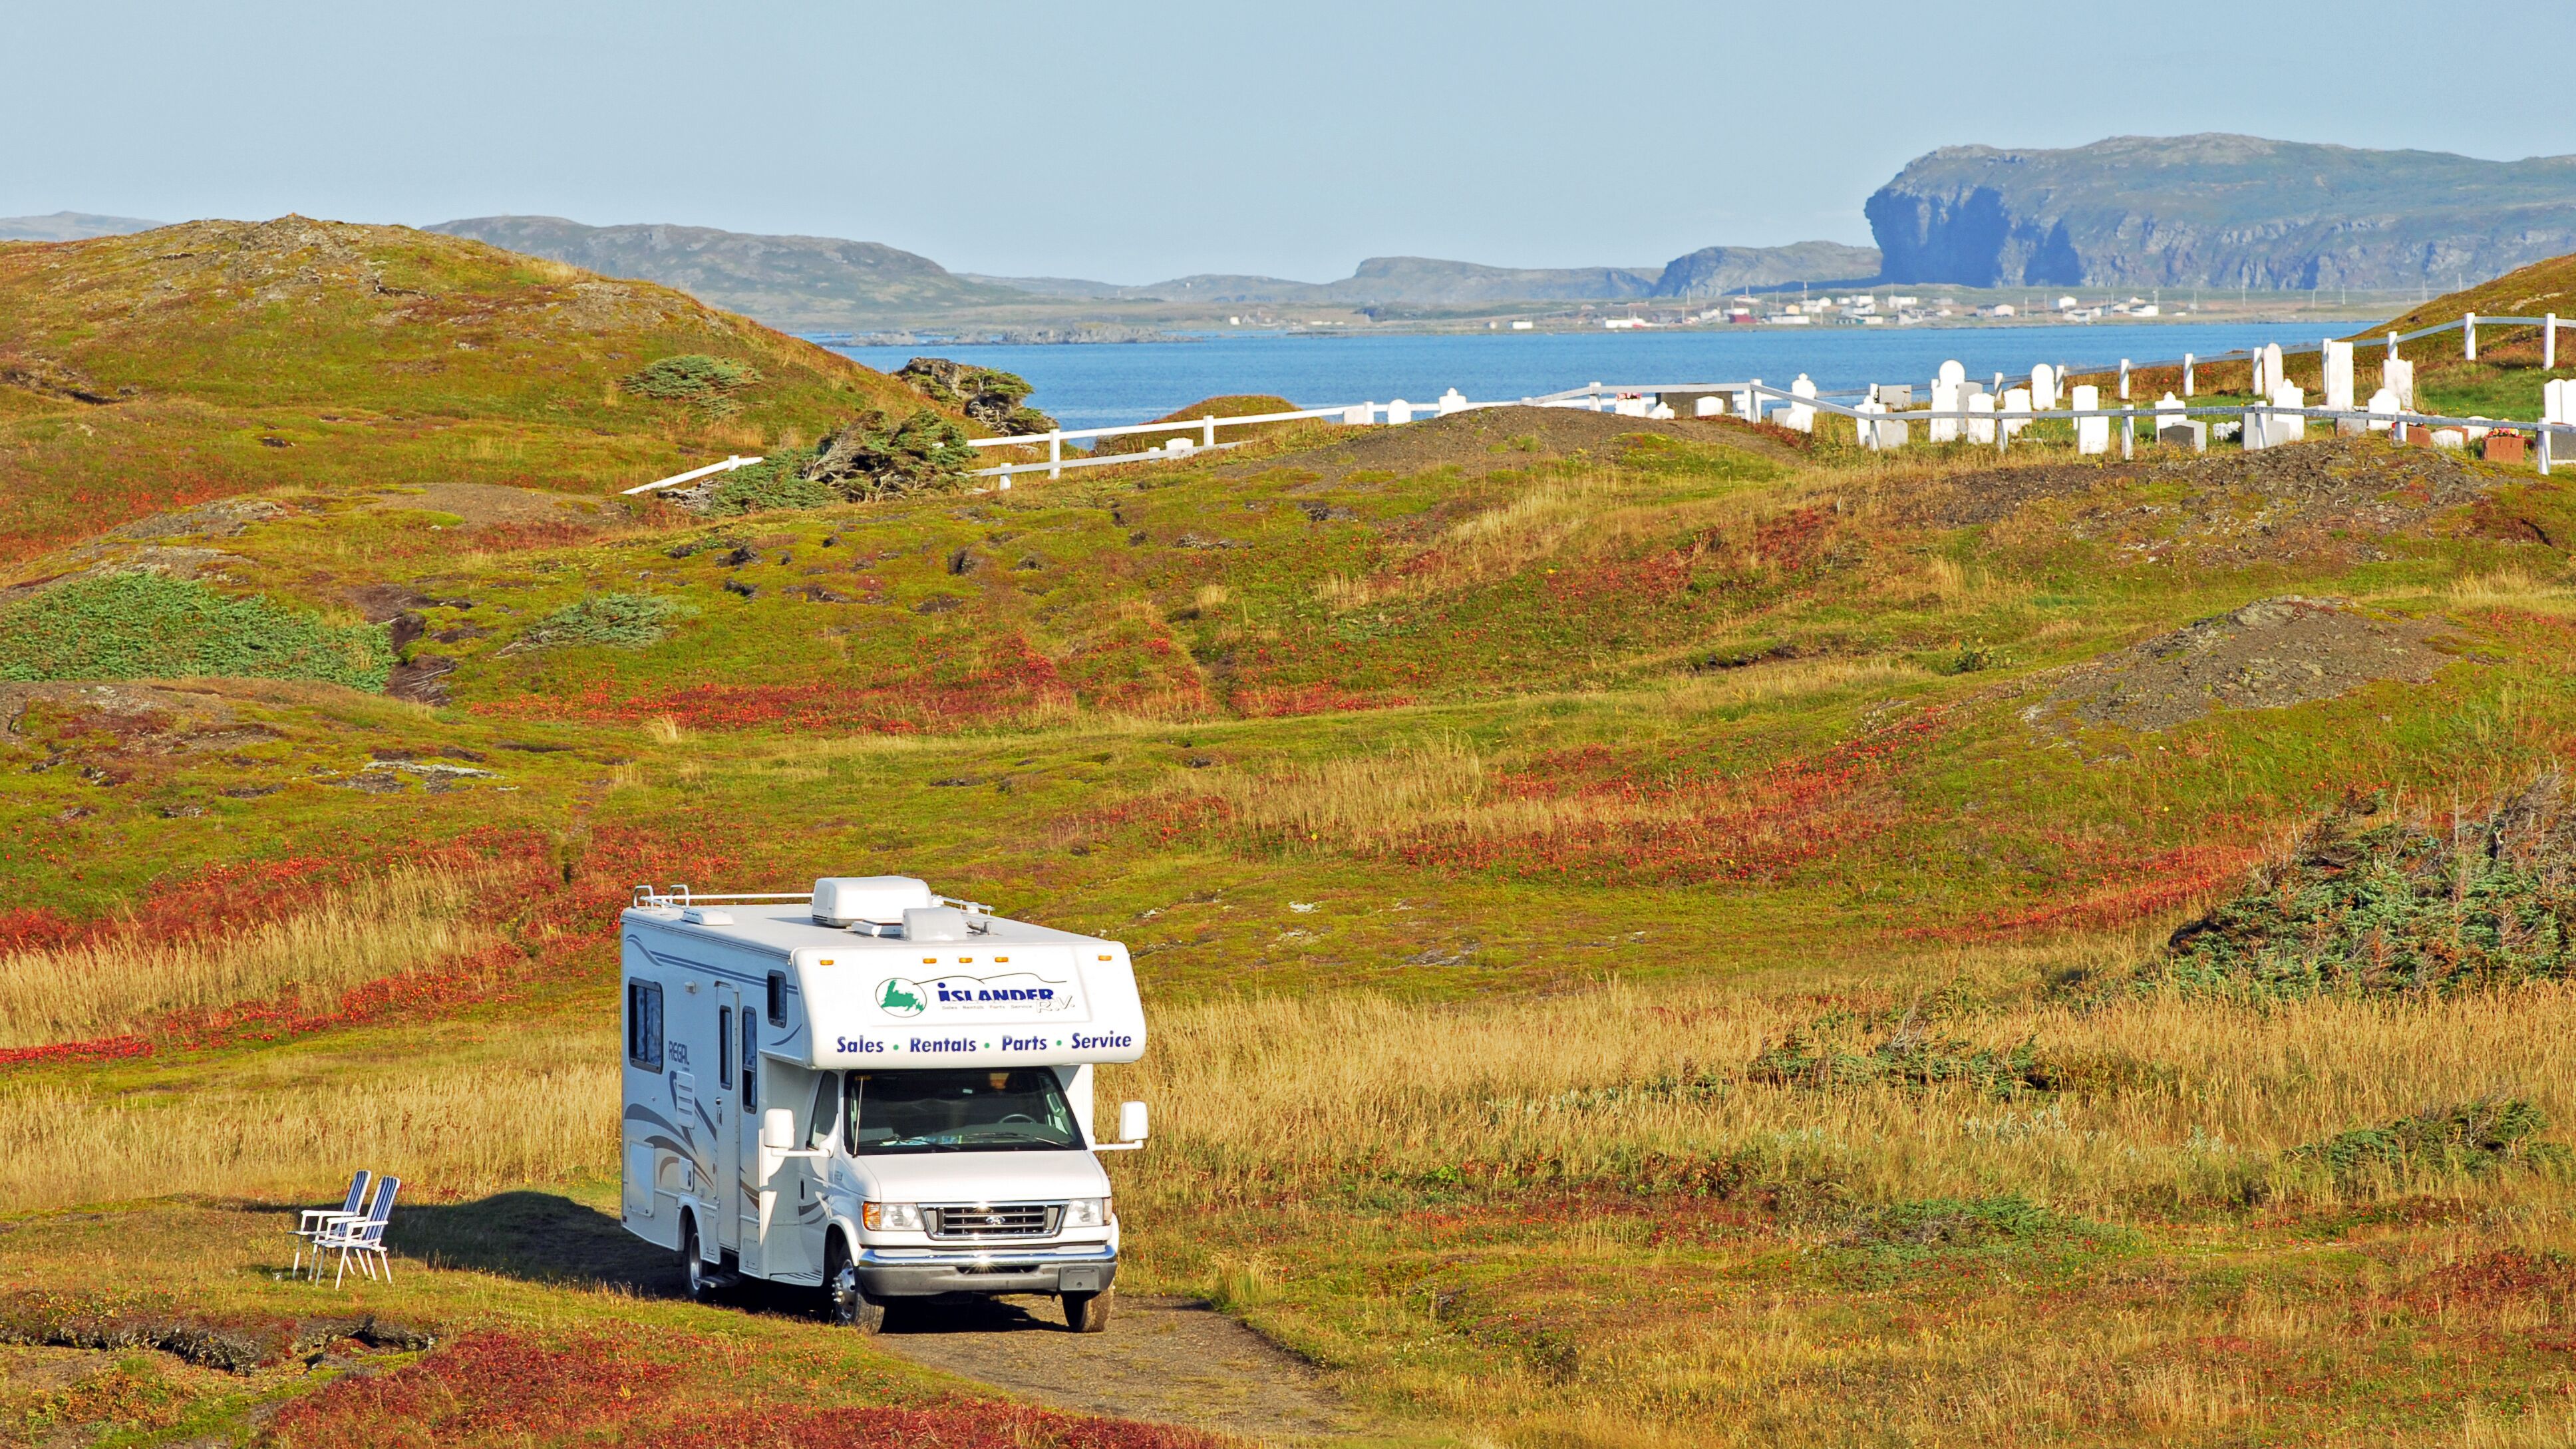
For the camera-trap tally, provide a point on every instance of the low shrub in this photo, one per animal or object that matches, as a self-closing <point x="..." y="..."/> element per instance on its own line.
<point x="2476" y="1137"/>
<point x="1906" y="1058"/>
<point x="1948" y="1222"/>
<point x="616" y="621"/>
<point x="145" y="626"/>
<point x="709" y="382"/>
<point x="2370" y="907"/>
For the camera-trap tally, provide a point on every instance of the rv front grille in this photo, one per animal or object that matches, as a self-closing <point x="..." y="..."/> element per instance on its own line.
<point x="1000" y="1220"/>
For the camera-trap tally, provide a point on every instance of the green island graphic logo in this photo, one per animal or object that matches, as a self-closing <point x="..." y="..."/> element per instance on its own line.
<point x="897" y="996"/>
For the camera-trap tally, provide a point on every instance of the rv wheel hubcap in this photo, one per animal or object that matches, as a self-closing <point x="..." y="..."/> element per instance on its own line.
<point x="845" y="1294"/>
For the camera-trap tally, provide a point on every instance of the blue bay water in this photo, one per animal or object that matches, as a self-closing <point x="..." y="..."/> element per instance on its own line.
<point x="1092" y="385"/>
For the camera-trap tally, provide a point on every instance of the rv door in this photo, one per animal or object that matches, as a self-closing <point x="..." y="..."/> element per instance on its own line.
<point x="746" y="1134"/>
<point x="726" y="1188"/>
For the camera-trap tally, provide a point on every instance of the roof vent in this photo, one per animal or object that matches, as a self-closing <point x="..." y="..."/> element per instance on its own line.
<point x="935" y="923"/>
<point x="868" y="900"/>
<point x="700" y="916"/>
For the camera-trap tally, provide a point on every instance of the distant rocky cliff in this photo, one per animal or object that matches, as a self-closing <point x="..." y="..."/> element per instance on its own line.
<point x="2219" y="211"/>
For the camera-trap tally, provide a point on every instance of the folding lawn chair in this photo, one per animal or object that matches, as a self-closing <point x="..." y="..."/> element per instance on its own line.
<point x="364" y="1237"/>
<point x="316" y="1219"/>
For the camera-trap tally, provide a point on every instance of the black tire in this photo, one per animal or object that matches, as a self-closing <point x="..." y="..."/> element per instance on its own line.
<point x="1090" y="1312"/>
<point x="695" y="1281"/>
<point x="843" y="1302"/>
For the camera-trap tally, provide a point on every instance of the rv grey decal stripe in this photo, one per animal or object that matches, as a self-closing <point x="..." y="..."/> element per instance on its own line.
<point x="667" y="960"/>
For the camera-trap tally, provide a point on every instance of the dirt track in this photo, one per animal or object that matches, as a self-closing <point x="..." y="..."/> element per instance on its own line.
<point x="1172" y="1360"/>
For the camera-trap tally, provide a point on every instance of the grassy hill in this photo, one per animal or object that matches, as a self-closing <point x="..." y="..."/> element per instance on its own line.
<point x="196" y="362"/>
<point x="1659" y="932"/>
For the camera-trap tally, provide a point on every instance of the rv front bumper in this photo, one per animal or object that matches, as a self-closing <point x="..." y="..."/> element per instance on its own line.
<point x="920" y="1273"/>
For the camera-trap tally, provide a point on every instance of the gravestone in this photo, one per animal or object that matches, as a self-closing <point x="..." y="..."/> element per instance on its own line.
<point x="2043" y="386"/>
<point x="2384" y="401"/>
<point x="1661" y="412"/>
<point x="1452" y="401"/>
<point x="1358" y="414"/>
<point x="2092" y="435"/>
<point x="1981" y="429"/>
<point x="2273" y="377"/>
<point x="2189" y="433"/>
<point x="2286" y="429"/>
<point x="2016" y="400"/>
<point x="1894" y="394"/>
<point x="1399" y="411"/>
<point x="1708" y="405"/>
<point x="1801" y="416"/>
<point x="2338" y="361"/>
<point x="1945" y="399"/>
<point x="1953" y="373"/>
<point x="2398" y="376"/>
<point x="2505" y="448"/>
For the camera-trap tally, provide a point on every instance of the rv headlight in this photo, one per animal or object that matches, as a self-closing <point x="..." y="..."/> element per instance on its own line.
<point x="891" y="1217"/>
<point x="1086" y="1212"/>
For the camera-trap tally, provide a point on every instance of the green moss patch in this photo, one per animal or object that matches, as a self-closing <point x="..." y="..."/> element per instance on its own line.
<point x="140" y="626"/>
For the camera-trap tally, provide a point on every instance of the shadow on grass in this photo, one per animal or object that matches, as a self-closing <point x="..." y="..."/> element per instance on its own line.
<point x="540" y="1237"/>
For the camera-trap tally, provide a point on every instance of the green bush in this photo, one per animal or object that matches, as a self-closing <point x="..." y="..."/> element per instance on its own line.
<point x="692" y="377"/>
<point x="617" y="621"/>
<point x="769" y="485"/>
<point x="2369" y="908"/>
<point x="144" y="626"/>
<point x="2475" y="1137"/>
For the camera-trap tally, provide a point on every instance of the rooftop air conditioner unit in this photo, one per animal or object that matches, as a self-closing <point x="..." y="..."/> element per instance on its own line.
<point x="872" y="903"/>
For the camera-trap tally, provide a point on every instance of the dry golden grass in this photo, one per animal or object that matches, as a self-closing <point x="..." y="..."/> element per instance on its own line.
<point x="514" y="1106"/>
<point x="391" y="926"/>
<point x="2207" y="1094"/>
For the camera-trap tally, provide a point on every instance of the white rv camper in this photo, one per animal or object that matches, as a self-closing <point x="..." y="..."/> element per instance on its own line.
<point x="877" y="1092"/>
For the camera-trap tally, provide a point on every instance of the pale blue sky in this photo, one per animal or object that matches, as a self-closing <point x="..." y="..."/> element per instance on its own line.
<point x="1133" y="142"/>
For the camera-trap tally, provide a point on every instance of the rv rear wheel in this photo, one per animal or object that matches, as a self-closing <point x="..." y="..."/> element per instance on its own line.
<point x="843" y="1303"/>
<point x="695" y="1280"/>
<point x="1089" y="1312"/>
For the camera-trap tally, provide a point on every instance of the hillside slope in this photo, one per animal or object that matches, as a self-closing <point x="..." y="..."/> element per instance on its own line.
<point x="192" y="362"/>
<point x="801" y="282"/>
<point x="2219" y="211"/>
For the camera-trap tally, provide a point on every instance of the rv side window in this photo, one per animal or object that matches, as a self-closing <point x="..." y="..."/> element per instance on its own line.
<point x="827" y="1110"/>
<point x="777" y="998"/>
<point x="644" y="1024"/>
<point x="724" y="1047"/>
<point x="750" y="1061"/>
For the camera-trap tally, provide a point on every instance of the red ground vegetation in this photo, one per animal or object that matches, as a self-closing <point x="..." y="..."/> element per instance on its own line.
<point x="1021" y="682"/>
<point x="502" y="1388"/>
<point x="564" y="917"/>
<point x="1300" y="699"/>
<point x="2130" y="891"/>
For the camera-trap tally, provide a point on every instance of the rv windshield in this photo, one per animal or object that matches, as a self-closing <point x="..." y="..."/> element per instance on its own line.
<point x="1000" y="1110"/>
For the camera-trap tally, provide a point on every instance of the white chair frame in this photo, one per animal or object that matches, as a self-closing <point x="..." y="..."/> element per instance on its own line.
<point x="363" y="1238"/>
<point x="310" y="1227"/>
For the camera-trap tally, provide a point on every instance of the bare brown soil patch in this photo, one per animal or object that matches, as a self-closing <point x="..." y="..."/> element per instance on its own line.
<point x="488" y="503"/>
<point x="2270" y="654"/>
<point x="2329" y="498"/>
<point x="1169" y="1360"/>
<point x="1493" y="440"/>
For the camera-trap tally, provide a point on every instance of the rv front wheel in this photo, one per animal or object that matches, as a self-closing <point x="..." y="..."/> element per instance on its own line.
<point x="1089" y="1312"/>
<point x="842" y="1300"/>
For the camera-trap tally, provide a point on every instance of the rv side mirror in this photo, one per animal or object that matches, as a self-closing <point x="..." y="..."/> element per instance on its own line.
<point x="1131" y="1121"/>
<point x="778" y="1129"/>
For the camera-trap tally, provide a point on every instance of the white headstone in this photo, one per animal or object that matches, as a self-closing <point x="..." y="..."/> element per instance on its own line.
<point x="2016" y="400"/>
<point x="1399" y="411"/>
<point x="1946" y="399"/>
<point x="2271" y="368"/>
<point x="1452" y="401"/>
<point x="2286" y="429"/>
<point x="2450" y="438"/>
<point x="1801" y="416"/>
<point x="2092" y="435"/>
<point x="1708" y="405"/>
<point x="2553" y="401"/>
<point x="2383" y="401"/>
<point x="1953" y="373"/>
<point x="2478" y="434"/>
<point x="1358" y="414"/>
<point x="2043" y="386"/>
<point x="2398" y="376"/>
<point x="2338" y="356"/>
<point x="1629" y="407"/>
<point x="1661" y="412"/>
<point x="1981" y="430"/>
